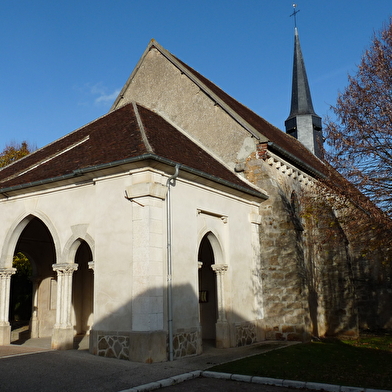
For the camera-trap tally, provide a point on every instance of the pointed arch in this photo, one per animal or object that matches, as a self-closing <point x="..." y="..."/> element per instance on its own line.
<point x="215" y="243"/>
<point x="72" y="246"/>
<point x="34" y="236"/>
<point x="15" y="232"/>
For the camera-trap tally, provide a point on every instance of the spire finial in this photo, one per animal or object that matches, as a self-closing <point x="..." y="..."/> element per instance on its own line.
<point x="295" y="14"/>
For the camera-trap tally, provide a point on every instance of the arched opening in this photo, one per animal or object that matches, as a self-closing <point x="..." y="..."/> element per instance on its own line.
<point x="82" y="295"/>
<point x="33" y="287"/>
<point x="21" y="296"/>
<point x="208" y="307"/>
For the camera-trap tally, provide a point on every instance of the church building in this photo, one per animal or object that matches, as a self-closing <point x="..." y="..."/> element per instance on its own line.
<point x="175" y="219"/>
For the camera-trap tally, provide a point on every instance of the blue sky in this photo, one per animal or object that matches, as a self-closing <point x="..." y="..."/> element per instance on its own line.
<point x="63" y="62"/>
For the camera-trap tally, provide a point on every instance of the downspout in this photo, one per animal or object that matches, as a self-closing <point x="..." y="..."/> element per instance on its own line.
<point x="170" y="181"/>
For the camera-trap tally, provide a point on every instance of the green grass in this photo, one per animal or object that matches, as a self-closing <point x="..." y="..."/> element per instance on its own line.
<point x="366" y="362"/>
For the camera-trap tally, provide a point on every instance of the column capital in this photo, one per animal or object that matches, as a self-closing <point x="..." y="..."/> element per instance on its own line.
<point x="220" y="268"/>
<point x="7" y="272"/>
<point x="65" y="268"/>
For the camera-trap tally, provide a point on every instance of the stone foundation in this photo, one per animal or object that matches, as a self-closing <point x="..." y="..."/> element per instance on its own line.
<point x="286" y="332"/>
<point x="186" y="343"/>
<point x="145" y="347"/>
<point x="245" y="334"/>
<point x="113" y="346"/>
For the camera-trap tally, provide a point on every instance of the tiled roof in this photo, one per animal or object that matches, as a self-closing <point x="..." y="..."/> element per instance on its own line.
<point x="120" y="135"/>
<point x="273" y="134"/>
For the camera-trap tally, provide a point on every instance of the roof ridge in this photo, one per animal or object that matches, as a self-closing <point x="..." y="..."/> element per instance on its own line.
<point x="141" y="128"/>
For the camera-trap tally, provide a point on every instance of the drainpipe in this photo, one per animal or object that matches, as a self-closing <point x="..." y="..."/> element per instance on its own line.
<point x="170" y="181"/>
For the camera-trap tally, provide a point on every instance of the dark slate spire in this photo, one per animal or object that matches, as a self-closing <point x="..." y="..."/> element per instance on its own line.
<point x="303" y="123"/>
<point x="301" y="100"/>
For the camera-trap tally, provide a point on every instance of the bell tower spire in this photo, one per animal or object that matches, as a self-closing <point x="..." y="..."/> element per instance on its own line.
<point x="303" y="123"/>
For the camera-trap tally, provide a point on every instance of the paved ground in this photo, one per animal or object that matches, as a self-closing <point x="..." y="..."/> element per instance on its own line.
<point x="34" y="367"/>
<point x="213" y="384"/>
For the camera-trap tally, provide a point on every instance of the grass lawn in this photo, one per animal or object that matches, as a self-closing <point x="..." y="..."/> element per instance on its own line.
<point x="366" y="362"/>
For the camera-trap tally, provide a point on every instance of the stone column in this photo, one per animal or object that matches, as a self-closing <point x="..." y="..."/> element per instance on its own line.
<point x="63" y="334"/>
<point x="5" y="284"/>
<point x="148" y="341"/>
<point x="222" y="326"/>
<point x="90" y="322"/>
<point x="34" y="333"/>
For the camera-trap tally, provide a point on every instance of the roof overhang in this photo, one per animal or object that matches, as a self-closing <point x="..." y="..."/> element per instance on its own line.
<point x="296" y="161"/>
<point x="86" y="174"/>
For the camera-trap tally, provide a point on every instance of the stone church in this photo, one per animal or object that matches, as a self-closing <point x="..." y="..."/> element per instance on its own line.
<point x="175" y="220"/>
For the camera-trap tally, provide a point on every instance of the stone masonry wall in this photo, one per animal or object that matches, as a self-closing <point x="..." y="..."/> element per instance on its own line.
<point x="285" y="303"/>
<point x="307" y="276"/>
<point x="186" y="343"/>
<point x="245" y="334"/>
<point x="373" y="288"/>
<point x="329" y="277"/>
<point x="113" y="346"/>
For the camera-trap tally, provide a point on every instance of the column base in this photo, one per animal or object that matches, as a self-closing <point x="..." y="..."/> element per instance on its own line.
<point x="5" y="335"/>
<point x="222" y="334"/>
<point x="34" y="328"/>
<point x="62" y="338"/>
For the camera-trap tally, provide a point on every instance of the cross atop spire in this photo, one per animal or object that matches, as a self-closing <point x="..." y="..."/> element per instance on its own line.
<point x="295" y="14"/>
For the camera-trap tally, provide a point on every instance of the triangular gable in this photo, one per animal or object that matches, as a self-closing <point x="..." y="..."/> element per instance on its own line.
<point x="278" y="141"/>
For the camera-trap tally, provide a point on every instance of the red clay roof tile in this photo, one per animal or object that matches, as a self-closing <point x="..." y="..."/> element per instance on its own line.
<point x="113" y="138"/>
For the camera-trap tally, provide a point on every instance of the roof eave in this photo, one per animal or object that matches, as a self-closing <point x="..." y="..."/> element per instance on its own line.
<point x="307" y="168"/>
<point x="70" y="178"/>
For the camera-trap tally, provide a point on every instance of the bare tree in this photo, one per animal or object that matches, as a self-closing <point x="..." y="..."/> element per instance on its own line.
<point x="360" y="140"/>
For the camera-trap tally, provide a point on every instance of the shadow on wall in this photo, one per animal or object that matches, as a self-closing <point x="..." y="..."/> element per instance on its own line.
<point x="138" y="330"/>
<point x="331" y="293"/>
<point x="323" y="265"/>
<point x="373" y="284"/>
<point x="345" y="294"/>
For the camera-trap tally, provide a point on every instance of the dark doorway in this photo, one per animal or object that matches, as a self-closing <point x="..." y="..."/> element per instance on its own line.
<point x="32" y="308"/>
<point x="207" y="291"/>
<point x="83" y="291"/>
<point x="21" y="293"/>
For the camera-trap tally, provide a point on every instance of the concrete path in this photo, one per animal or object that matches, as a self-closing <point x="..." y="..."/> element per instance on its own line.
<point x="34" y="367"/>
<point x="77" y="370"/>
